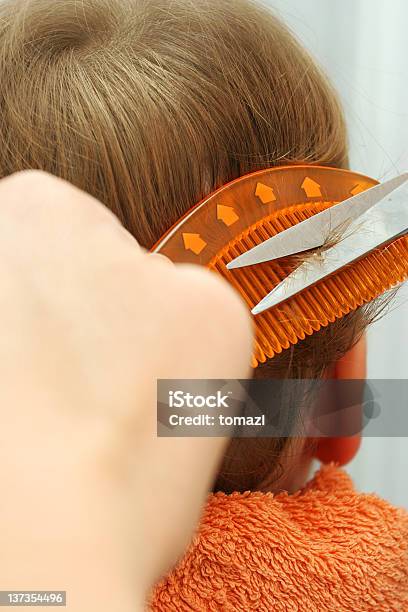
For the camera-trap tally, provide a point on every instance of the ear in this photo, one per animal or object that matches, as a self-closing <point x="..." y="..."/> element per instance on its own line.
<point x="353" y="365"/>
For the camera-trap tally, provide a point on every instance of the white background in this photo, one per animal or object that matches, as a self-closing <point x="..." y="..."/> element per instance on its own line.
<point x="363" y="46"/>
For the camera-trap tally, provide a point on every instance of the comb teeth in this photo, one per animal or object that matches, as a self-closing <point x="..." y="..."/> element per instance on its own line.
<point x="317" y="306"/>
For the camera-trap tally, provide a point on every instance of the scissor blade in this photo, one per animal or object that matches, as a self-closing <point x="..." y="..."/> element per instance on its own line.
<point x="313" y="232"/>
<point x="381" y="223"/>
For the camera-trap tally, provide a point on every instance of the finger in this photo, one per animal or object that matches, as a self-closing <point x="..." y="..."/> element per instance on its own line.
<point x="160" y="258"/>
<point x="42" y="213"/>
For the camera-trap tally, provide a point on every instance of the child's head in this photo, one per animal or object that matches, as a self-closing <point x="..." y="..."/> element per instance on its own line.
<point x="150" y="105"/>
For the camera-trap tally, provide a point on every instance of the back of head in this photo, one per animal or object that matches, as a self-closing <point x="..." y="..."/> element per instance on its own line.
<point x="150" y="105"/>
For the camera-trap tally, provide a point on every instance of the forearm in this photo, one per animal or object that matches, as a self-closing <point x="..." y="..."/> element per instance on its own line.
<point x="59" y="527"/>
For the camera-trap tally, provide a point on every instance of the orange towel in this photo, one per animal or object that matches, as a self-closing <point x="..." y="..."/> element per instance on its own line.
<point x="325" y="548"/>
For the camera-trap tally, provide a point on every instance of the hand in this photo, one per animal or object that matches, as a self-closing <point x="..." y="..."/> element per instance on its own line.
<point x="92" y="501"/>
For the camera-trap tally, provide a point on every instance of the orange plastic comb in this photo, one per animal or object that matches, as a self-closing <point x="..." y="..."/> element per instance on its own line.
<point x="257" y="206"/>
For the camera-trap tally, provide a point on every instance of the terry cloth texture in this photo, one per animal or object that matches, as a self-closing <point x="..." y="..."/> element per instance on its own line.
<point x="325" y="548"/>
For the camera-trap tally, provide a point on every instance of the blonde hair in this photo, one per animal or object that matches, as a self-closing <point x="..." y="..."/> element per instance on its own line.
<point x="151" y="105"/>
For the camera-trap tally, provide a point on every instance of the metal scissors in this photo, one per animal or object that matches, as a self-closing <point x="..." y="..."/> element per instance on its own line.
<point x="364" y="222"/>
